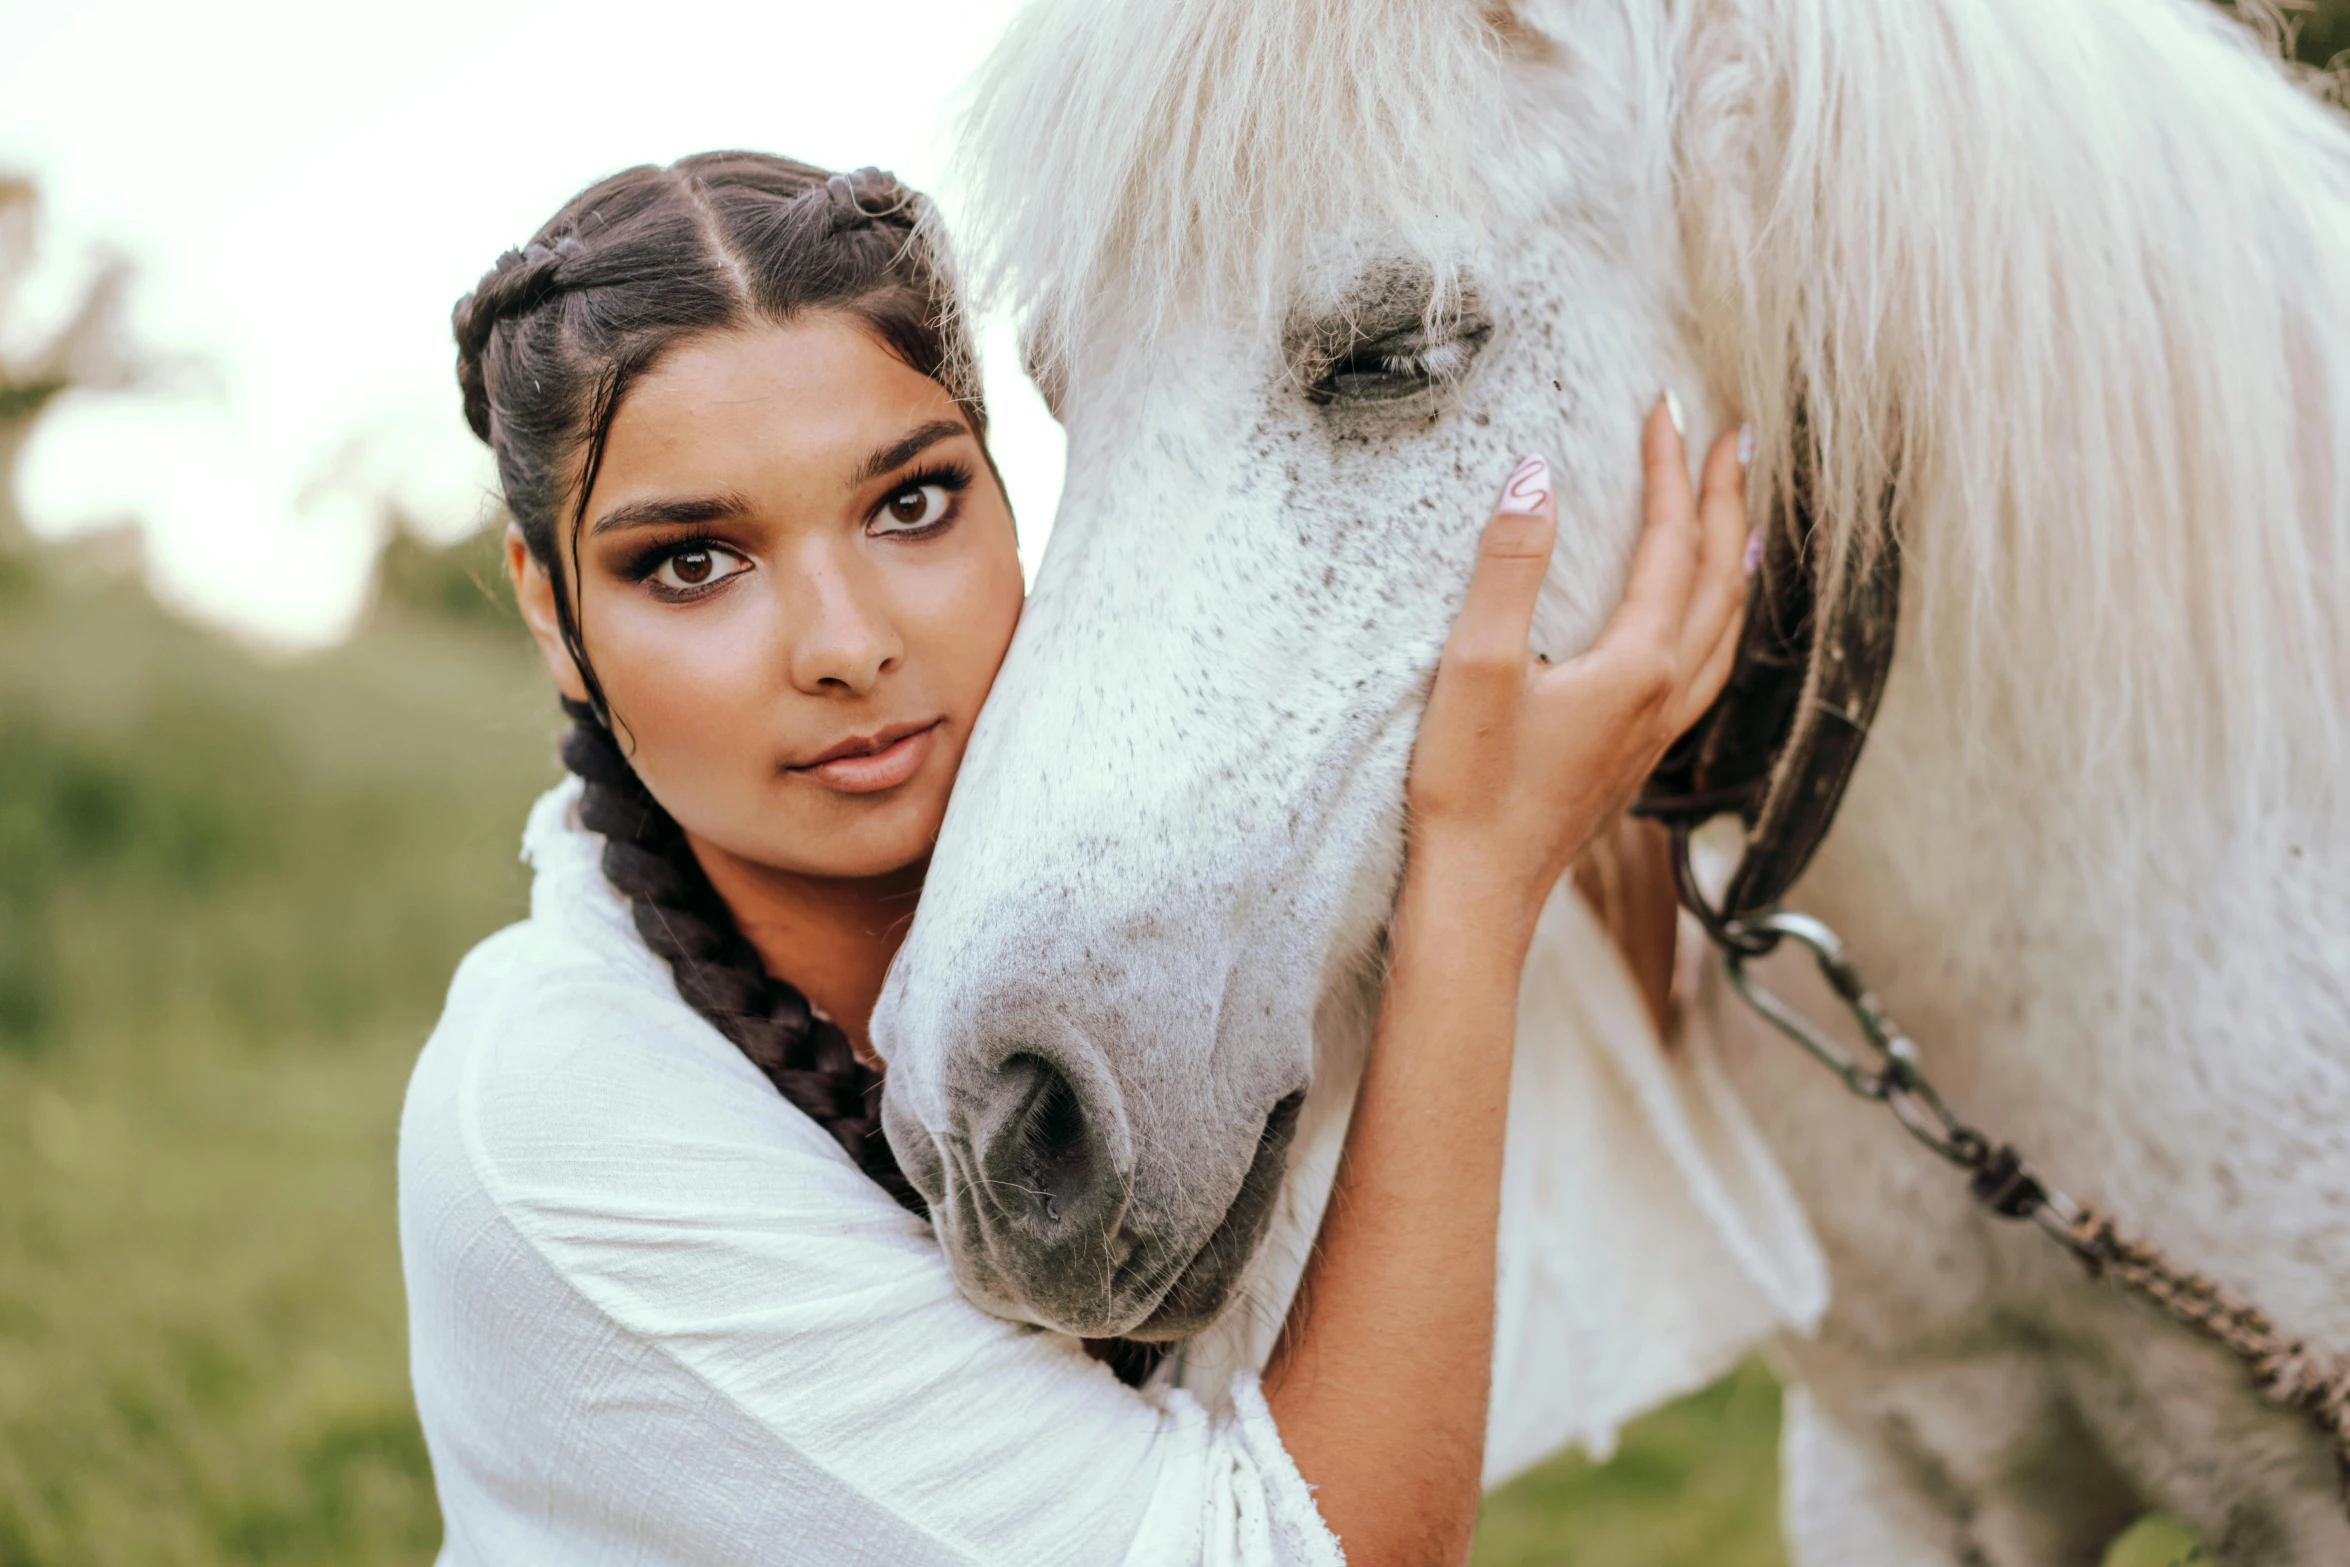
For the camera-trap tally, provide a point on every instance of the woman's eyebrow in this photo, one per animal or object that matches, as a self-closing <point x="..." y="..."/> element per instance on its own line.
<point x="906" y="448"/>
<point x="701" y="509"/>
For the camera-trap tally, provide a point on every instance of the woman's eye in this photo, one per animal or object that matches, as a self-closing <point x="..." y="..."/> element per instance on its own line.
<point x="697" y="566"/>
<point x="914" y="508"/>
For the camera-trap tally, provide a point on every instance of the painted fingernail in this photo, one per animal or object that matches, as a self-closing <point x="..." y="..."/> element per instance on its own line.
<point x="1753" y="559"/>
<point x="1746" y="446"/>
<point x="1673" y="410"/>
<point x="1528" y="488"/>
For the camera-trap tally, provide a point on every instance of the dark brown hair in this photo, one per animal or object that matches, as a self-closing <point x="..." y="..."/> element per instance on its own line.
<point x="548" y="344"/>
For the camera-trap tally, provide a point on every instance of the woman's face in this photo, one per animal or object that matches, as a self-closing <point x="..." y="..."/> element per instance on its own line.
<point x="797" y="576"/>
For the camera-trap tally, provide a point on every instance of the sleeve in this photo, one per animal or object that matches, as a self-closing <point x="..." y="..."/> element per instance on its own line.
<point x="1648" y="1238"/>
<point x="683" y="1328"/>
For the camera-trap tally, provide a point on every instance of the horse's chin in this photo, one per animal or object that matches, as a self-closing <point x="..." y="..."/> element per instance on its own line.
<point x="1207" y="1283"/>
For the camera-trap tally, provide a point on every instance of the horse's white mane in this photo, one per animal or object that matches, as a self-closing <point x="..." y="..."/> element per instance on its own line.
<point x="2076" y="279"/>
<point x="2072" y="281"/>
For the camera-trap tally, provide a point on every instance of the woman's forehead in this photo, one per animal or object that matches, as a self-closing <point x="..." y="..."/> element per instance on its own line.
<point x="803" y="406"/>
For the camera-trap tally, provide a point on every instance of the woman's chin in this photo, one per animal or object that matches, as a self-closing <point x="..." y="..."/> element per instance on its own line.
<point x="891" y="865"/>
<point x="873" y="845"/>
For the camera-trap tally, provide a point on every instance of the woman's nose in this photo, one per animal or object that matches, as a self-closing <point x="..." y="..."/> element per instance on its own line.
<point x="845" y="640"/>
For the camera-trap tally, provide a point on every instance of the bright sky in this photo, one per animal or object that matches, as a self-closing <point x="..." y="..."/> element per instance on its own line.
<point x="304" y="190"/>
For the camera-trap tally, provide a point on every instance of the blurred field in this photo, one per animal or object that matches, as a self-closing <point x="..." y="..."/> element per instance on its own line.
<point x="231" y="894"/>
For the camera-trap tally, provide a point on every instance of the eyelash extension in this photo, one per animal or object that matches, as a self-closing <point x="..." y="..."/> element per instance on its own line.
<point x="952" y="477"/>
<point x="648" y="560"/>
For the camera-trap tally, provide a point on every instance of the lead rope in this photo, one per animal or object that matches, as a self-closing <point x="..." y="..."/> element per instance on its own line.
<point x="2288" y="1371"/>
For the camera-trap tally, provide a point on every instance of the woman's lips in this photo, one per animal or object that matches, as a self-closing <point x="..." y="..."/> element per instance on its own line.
<point x="875" y="762"/>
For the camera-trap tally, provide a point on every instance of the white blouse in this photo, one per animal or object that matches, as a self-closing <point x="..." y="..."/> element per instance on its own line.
<point x="657" y="1316"/>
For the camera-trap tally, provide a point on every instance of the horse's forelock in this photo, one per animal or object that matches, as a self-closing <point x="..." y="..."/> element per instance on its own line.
<point x="1121" y="158"/>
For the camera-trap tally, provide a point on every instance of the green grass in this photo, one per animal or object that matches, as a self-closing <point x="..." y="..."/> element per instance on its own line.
<point x="1694" y="1484"/>
<point x="231" y="894"/>
<point x="232" y="890"/>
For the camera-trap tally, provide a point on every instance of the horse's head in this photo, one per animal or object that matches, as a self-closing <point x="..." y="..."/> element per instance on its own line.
<point x="1308" y="280"/>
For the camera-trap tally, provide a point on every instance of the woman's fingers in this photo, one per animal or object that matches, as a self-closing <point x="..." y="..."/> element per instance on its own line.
<point x="1489" y="636"/>
<point x="1465" y="761"/>
<point x="1707" y="683"/>
<point x="1670" y="644"/>
<point x="1721" y="518"/>
<point x="1715" y="614"/>
<point x="1665" y="561"/>
<point x="1513" y="770"/>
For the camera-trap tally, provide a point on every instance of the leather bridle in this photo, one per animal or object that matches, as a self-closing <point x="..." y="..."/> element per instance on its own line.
<point x="1779" y="744"/>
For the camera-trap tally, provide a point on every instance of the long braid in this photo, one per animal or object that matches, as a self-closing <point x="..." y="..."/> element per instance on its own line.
<point x="719" y="974"/>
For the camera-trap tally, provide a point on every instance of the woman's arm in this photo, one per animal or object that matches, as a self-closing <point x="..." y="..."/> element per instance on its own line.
<point x="1380" y="1380"/>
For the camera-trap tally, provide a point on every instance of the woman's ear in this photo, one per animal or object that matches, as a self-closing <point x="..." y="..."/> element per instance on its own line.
<point x="534" y="594"/>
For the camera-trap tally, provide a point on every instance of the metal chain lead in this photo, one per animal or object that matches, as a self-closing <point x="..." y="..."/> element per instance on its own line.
<point x="2287" y="1371"/>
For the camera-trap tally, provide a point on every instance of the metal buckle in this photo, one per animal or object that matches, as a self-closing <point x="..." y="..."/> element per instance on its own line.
<point x="1897" y="1079"/>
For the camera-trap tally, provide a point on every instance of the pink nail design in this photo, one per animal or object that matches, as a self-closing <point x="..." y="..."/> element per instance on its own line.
<point x="1754" y="547"/>
<point x="1528" y="488"/>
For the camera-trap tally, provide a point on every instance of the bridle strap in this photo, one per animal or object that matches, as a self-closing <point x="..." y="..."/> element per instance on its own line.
<point x="1779" y="744"/>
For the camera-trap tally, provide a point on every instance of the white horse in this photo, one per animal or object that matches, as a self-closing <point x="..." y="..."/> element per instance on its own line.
<point x="2070" y="279"/>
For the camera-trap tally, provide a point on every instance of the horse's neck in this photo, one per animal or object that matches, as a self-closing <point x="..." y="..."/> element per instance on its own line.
<point x="2016" y="899"/>
<point x="2151" y="1010"/>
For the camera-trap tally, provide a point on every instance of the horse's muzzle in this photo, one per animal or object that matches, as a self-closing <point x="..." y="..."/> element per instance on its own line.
<point x="1032" y="1189"/>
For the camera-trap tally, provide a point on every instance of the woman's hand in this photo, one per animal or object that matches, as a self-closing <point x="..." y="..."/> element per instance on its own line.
<point x="1380" y="1378"/>
<point x="1520" y="763"/>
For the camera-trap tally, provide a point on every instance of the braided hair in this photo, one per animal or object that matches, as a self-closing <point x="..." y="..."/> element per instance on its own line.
<point x="548" y="344"/>
<point x="681" y="917"/>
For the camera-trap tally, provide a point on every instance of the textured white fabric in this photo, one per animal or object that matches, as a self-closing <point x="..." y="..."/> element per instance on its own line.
<point x="657" y="1317"/>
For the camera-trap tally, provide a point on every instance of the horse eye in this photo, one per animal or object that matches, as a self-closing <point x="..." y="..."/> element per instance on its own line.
<point x="1372" y="375"/>
<point x="1401" y="365"/>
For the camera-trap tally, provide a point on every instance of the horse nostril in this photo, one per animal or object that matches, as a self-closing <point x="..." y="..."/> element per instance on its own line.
<point x="1281" y="1124"/>
<point x="1042" y="1160"/>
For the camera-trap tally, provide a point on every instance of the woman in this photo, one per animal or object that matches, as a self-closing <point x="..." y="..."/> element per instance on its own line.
<point x="657" y="1315"/>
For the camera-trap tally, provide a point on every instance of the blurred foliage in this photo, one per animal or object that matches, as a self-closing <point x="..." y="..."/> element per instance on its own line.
<point x="462" y="583"/>
<point x="1694" y="1485"/>
<point x="2317" y="30"/>
<point x="231" y="895"/>
<point x="84" y="349"/>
